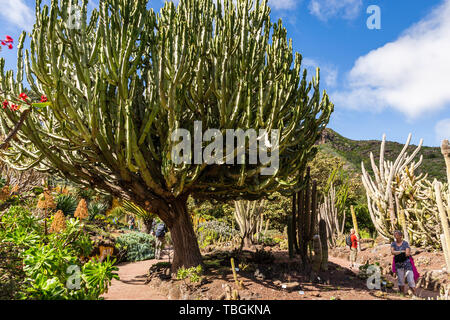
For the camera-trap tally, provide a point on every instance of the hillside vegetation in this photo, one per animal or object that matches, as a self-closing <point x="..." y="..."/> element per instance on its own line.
<point x="352" y="152"/>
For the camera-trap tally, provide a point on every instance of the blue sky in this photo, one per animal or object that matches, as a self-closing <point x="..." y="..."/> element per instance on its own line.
<point x="395" y="80"/>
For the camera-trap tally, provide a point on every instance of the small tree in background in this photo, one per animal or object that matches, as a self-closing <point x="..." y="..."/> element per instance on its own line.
<point x="119" y="85"/>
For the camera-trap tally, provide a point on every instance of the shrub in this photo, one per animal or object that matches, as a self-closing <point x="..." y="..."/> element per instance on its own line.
<point x="214" y="231"/>
<point x="193" y="273"/>
<point x="139" y="246"/>
<point x="271" y="237"/>
<point x="43" y="262"/>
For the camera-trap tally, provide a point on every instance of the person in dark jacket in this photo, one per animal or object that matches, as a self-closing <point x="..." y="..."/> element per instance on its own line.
<point x="160" y="234"/>
<point x="131" y="223"/>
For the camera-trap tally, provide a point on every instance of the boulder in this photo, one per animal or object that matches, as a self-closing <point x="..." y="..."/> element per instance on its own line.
<point x="290" y="286"/>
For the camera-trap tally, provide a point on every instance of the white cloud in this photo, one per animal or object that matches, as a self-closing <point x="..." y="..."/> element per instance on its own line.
<point x="16" y="12"/>
<point x="328" y="72"/>
<point x="442" y="130"/>
<point x="325" y="9"/>
<point x="410" y="75"/>
<point x="283" y="4"/>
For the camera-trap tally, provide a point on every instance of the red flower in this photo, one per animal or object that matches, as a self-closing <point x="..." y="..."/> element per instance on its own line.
<point x="3" y="43"/>
<point x="9" y="39"/>
<point x="23" y="96"/>
<point x="10" y="46"/>
<point x="15" y="107"/>
<point x="44" y="98"/>
<point x="5" y="104"/>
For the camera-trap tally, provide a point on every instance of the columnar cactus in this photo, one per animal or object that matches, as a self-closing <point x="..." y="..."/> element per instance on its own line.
<point x="250" y="219"/>
<point x="324" y="244"/>
<point x="305" y="211"/>
<point x="417" y="208"/>
<point x="290" y="234"/>
<point x="380" y="193"/>
<point x="317" y="258"/>
<point x="445" y="149"/>
<point x="444" y="209"/>
<point x="126" y="79"/>
<point x="444" y="215"/>
<point x="414" y="200"/>
<point x="329" y="213"/>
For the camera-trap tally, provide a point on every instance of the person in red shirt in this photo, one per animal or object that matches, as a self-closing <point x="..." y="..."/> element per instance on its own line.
<point x="353" y="248"/>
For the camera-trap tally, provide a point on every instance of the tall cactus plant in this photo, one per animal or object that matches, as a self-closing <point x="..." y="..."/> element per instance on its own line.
<point x="324" y="243"/>
<point x="305" y="212"/>
<point x="445" y="149"/>
<point x="411" y="198"/>
<point x="250" y="219"/>
<point x="328" y="210"/>
<point x="380" y="193"/>
<point x="444" y="214"/>
<point x="120" y="84"/>
<point x="444" y="210"/>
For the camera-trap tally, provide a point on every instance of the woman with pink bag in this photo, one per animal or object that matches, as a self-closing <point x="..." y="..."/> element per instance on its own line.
<point x="403" y="263"/>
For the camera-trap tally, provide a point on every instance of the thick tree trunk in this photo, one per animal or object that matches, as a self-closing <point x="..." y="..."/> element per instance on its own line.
<point x="186" y="251"/>
<point x="147" y="225"/>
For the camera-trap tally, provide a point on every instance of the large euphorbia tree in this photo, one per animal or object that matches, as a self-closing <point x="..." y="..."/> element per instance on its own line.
<point x="125" y="78"/>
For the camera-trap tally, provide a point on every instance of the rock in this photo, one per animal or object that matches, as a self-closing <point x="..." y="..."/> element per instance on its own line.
<point x="174" y="294"/>
<point x="277" y="282"/>
<point x="290" y="286"/>
<point x="250" y="296"/>
<point x="156" y="282"/>
<point x="259" y="275"/>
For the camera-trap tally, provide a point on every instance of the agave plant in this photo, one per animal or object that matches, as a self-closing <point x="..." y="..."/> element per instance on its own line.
<point x="96" y="208"/>
<point x="67" y="204"/>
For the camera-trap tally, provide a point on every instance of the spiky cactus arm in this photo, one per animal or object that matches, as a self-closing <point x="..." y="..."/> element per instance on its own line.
<point x="444" y="214"/>
<point x="445" y="149"/>
<point x="124" y="81"/>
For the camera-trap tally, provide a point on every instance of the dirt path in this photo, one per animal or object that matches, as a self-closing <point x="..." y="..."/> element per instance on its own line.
<point x="131" y="285"/>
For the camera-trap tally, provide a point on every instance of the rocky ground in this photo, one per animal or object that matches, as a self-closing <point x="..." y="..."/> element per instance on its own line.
<point x="276" y="277"/>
